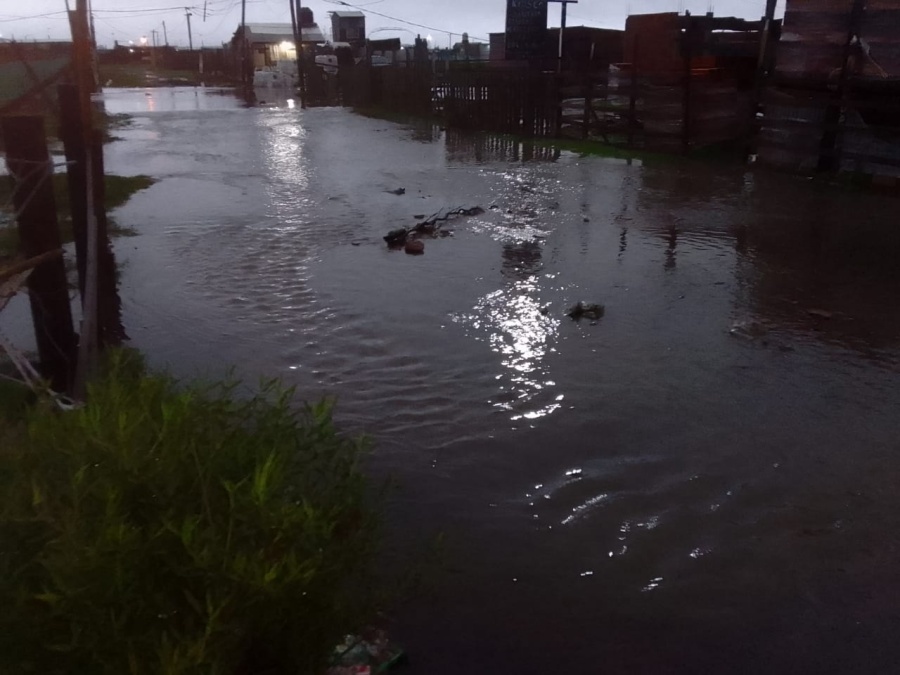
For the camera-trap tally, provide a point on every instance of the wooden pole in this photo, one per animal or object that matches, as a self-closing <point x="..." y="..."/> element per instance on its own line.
<point x="29" y="164"/>
<point x="688" y="71"/>
<point x="110" y="331"/>
<point x="187" y="14"/>
<point x="88" y="344"/>
<point x="635" y="91"/>
<point x="243" y="42"/>
<point x="831" y="145"/>
<point x="301" y="66"/>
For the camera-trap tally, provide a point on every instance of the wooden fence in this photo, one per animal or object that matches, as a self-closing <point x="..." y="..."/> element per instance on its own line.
<point x="834" y="101"/>
<point x="659" y="112"/>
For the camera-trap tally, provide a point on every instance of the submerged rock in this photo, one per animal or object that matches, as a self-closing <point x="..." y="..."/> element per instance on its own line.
<point x="586" y="310"/>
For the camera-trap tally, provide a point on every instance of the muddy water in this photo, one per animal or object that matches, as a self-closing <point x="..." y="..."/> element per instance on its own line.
<point x="704" y="480"/>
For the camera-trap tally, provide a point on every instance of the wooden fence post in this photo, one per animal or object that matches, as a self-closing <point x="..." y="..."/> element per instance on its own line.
<point x="110" y="330"/>
<point x="588" y="106"/>
<point x="632" y="102"/>
<point x="109" y="315"/>
<point x="30" y="165"/>
<point x="688" y="67"/>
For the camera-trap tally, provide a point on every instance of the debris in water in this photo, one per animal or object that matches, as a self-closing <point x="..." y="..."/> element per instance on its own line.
<point x="820" y="313"/>
<point x="414" y="246"/>
<point x="419" y="217"/>
<point x="396" y="238"/>
<point x="748" y="330"/>
<point x="398" y="191"/>
<point x="358" y="655"/>
<point x="586" y="310"/>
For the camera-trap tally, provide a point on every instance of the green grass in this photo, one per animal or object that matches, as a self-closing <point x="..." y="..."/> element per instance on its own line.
<point x="178" y="528"/>
<point x="140" y="75"/>
<point x="119" y="189"/>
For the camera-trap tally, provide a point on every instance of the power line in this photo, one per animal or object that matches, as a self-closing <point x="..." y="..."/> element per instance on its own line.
<point x="394" y="18"/>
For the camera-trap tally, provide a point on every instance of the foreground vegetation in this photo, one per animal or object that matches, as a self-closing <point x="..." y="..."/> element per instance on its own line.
<point x="165" y="528"/>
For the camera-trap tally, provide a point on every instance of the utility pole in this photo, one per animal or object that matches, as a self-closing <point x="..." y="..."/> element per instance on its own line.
<point x="562" y="29"/>
<point x="187" y="13"/>
<point x="88" y="344"/>
<point x="300" y="59"/>
<point x="244" y="41"/>
<point x="165" y="34"/>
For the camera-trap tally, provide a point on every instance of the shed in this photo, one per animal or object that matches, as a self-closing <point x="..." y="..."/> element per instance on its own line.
<point x="349" y="27"/>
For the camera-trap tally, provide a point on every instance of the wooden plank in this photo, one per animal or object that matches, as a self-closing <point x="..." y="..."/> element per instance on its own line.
<point x="28" y="265"/>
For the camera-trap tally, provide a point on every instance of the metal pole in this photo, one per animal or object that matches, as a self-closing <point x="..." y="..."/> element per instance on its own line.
<point x="187" y="13"/>
<point x="562" y="29"/>
<point x="165" y="34"/>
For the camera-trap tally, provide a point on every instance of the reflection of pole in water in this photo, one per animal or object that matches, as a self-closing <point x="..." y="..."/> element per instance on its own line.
<point x="671" y="254"/>
<point x="522" y="259"/>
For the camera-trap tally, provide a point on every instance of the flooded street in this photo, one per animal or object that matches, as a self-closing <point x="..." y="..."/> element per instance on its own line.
<point x="704" y="480"/>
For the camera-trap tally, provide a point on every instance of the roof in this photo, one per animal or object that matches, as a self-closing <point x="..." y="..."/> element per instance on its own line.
<point x="281" y="32"/>
<point x="349" y="15"/>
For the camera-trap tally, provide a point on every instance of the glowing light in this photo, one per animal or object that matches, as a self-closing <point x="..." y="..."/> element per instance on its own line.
<point x="287" y="46"/>
<point x="144" y="41"/>
<point x="291" y="104"/>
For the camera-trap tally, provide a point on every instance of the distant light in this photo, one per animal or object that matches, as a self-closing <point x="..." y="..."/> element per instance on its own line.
<point x="144" y="40"/>
<point x="291" y="104"/>
<point x="287" y="46"/>
<point x="429" y="38"/>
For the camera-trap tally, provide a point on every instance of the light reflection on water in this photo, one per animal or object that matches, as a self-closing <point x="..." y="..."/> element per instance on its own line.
<point x="518" y="329"/>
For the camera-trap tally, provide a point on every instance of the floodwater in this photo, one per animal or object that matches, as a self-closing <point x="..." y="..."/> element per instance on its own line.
<point x="705" y="480"/>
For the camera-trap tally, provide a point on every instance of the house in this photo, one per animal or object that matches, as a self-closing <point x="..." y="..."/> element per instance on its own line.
<point x="271" y="43"/>
<point x="349" y="27"/>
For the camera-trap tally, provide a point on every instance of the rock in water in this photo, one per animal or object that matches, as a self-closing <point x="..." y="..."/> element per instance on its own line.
<point x="414" y="247"/>
<point x="586" y="310"/>
<point x="398" y="191"/>
<point x="396" y="237"/>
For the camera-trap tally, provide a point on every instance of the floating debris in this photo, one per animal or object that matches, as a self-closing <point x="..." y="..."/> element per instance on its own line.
<point x="586" y="310"/>
<point x="358" y="655"/>
<point x="398" y="238"/>
<point x="414" y="247"/>
<point x="398" y="191"/>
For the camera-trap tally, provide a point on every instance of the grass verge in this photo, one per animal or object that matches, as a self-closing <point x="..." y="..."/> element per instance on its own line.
<point x="173" y="528"/>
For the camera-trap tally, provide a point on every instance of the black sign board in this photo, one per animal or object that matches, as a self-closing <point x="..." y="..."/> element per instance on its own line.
<point x="526" y="29"/>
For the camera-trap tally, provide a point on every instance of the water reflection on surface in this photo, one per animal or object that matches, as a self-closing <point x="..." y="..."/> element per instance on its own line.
<point x="706" y="476"/>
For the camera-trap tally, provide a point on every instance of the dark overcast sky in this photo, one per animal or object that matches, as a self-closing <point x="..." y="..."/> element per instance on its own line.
<point x="125" y="20"/>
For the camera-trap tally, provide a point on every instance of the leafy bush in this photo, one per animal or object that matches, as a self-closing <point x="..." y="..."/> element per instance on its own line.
<point x="180" y="529"/>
